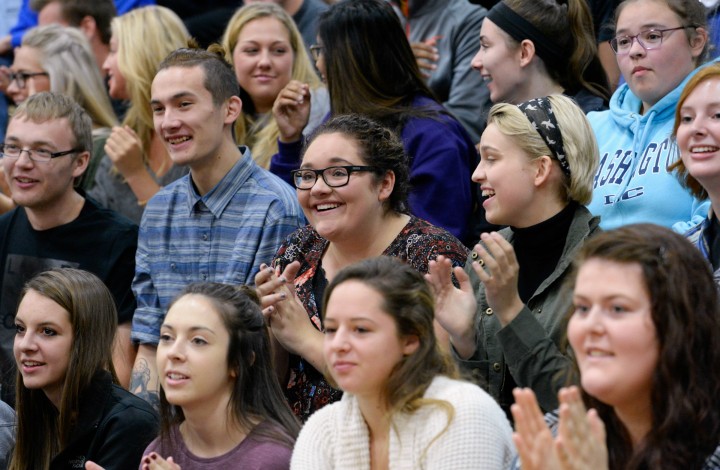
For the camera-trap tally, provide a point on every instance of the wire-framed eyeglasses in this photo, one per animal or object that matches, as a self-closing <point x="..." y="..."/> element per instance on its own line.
<point x="648" y="39"/>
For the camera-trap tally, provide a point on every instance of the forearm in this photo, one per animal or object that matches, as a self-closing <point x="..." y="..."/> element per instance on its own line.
<point x="145" y="381"/>
<point x="142" y="185"/>
<point x="123" y="354"/>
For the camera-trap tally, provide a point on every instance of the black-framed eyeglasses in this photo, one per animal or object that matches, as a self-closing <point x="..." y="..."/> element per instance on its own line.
<point x="648" y="39"/>
<point x="36" y="155"/>
<point x="334" y="176"/>
<point x="316" y="50"/>
<point x="22" y="77"/>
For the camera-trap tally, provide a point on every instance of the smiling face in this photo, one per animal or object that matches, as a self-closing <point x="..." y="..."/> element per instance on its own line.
<point x="339" y="213"/>
<point x="498" y="64"/>
<point x="698" y="135"/>
<point x="506" y="177"/>
<point x="263" y="60"/>
<point x="612" y="333"/>
<point x="117" y="88"/>
<point x="192" y="354"/>
<point x="361" y="345"/>
<point x="42" y="186"/>
<point x="43" y="343"/>
<point x="653" y="74"/>
<point x="28" y="60"/>
<point x="186" y="118"/>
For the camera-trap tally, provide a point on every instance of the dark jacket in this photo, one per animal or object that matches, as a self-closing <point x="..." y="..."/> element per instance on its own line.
<point x="113" y="429"/>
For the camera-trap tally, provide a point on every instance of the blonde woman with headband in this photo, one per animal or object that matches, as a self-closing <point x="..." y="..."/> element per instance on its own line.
<point x="537" y="163"/>
<point x="267" y="52"/>
<point x="59" y="59"/>
<point x="137" y="165"/>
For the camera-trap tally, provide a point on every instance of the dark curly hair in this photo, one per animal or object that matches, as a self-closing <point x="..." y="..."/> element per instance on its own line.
<point x="686" y="381"/>
<point x="380" y="147"/>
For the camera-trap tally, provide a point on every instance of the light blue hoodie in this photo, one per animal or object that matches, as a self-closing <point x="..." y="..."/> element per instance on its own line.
<point x="632" y="184"/>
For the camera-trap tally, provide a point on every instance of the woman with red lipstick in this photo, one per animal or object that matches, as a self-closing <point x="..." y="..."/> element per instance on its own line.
<point x="658" y="45"/>
<point x="69" y="407"/>
<point x="221" y="406"/>
<point x="531" y="48"/>
<point x="697" y="135"/>
<point x="537" y="162"/>
<point x="403" y="405"/>
<point x="643" y="328"/>
<point x="267" y="52"/>
<point x="136" y="164"/>
<point x="352" y="186"/>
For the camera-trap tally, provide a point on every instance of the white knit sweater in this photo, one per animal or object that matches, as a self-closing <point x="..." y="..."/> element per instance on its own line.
<point x="479" y="436"/>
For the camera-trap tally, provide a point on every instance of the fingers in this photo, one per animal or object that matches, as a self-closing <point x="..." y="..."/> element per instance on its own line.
<point x="439" y="274"/>
<point x="495" y="256"/>
<point x="291" y="271"/>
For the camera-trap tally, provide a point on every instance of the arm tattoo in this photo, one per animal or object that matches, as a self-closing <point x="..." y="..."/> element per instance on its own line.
<point x="139" y="384"/>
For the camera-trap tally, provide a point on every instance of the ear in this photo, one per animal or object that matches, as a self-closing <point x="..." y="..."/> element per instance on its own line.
<point x="80" y="164"/>
<point x="386" y="186"/>
<point x="88" y="27"/>
<point x="543" y="169"/>
<point x="410" y="344"/>
<point x="698" y="41"/>
<point x="233" y="108"/>
<point x="527" y="52"/>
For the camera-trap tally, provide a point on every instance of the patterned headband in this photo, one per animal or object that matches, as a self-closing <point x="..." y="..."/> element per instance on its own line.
<point x="540" y="114"/>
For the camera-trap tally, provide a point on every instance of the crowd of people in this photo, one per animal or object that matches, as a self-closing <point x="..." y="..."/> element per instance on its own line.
<point x="363" y="234"/>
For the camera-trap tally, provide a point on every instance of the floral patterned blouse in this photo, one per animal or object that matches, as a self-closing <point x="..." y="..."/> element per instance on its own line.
<point x="418" y="243"/>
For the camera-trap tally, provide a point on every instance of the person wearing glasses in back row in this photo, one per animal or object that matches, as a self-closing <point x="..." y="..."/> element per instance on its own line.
<point x="47" y="147"/>
<point x="659" y="44"/>
<point x="352" y="186"/>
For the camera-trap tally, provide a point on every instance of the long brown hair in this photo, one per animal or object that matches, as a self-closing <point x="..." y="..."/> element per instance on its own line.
<point x="42" y="429"/>
<point x="686" y="382"/>
<point x="256" y="394"/>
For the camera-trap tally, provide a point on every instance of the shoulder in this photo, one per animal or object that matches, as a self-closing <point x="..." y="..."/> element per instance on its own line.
<point x="169" y="194"/>
<point x="421" y="239"/>
<point x="319" y="436"/>
<point x="300" y="244"/>
<point x="461" y="394"/>
<point x="128" y="408"/>
<point x="107" y="218"/>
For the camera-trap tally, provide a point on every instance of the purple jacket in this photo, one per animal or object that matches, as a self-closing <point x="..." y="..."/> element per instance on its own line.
<point x="442" y="159"/>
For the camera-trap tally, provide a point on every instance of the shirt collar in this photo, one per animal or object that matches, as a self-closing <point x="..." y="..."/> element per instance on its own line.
<point x="217" y="199"/>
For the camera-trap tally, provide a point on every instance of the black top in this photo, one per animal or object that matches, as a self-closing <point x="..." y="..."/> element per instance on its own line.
<point x="538" y="249"/>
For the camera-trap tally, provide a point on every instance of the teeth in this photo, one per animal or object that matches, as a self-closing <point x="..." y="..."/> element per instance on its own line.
<point x="488" y="192"/>
<point x="596" y="353"/>
<point x="178" y="140"/>
<point x="175" y="376"/>
<point x="31" y="363"/>
<point x="487" y="78"/>
<point x="704" y="148"/>
<point x="25" y="180"/>
<point x="324" y="207"/>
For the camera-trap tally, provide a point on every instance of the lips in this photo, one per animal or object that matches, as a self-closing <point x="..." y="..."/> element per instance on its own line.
<point x="639" y="69"/>
<point x="704" y="149"/>
<point x="178" y="140"/>
<point x="342" y="366"/>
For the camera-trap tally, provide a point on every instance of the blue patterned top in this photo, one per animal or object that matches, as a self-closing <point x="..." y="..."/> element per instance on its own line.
<point x="222" y="236"/>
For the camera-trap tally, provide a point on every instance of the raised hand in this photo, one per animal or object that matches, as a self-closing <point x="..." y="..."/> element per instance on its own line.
<point x="292" y="110"/>
<point x="581" y="441"/>
<point x="499" y="275"/>
<point x="124" y="148"/>
<point x="454" y="308"/>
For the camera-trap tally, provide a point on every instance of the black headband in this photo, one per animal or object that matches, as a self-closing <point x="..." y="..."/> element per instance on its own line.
<point x="520" y="28"/>
<point x="540" y="114"/>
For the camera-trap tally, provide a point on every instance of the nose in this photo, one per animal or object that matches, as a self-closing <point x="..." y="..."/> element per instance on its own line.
<point x="636" y="49"/>
<point x="476" y="62"/>
<point x="264" y="58"/>
<point x="26" y="342"/>
<point x="176" y="351"/>
<point x="339" y="342"/>
<point x="168" y="120"/>
<point x="320" y="187"/>
<point x="478" y="175"/>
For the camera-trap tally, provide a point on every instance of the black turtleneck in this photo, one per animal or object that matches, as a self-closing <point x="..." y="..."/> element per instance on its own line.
<point x="538" y="249"/>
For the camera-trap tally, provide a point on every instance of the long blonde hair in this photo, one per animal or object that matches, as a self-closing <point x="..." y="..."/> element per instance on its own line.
<point x="71" y="67"/>
<point x="261" y="134"/>
<point x="145" y="36"/>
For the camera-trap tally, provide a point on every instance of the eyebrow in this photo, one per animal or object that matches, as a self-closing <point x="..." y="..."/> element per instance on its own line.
<point x="34" y="143"/>
<point x="645" y="27"/>
<point x="192" y="329"/>
<point x="175" y="97"/>
<point x="334" y="161"/>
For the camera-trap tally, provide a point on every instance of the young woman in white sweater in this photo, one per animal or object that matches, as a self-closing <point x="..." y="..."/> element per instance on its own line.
<point x="403" y="406"/>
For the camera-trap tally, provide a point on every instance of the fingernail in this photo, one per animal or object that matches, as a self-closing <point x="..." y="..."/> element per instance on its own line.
<point x="282" y="295"/>
<point x="282" y="279"/>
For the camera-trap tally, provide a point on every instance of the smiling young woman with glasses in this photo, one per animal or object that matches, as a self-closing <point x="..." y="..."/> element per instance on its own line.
<point x="352" y="186"/>
<point x="658" y="46"/>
